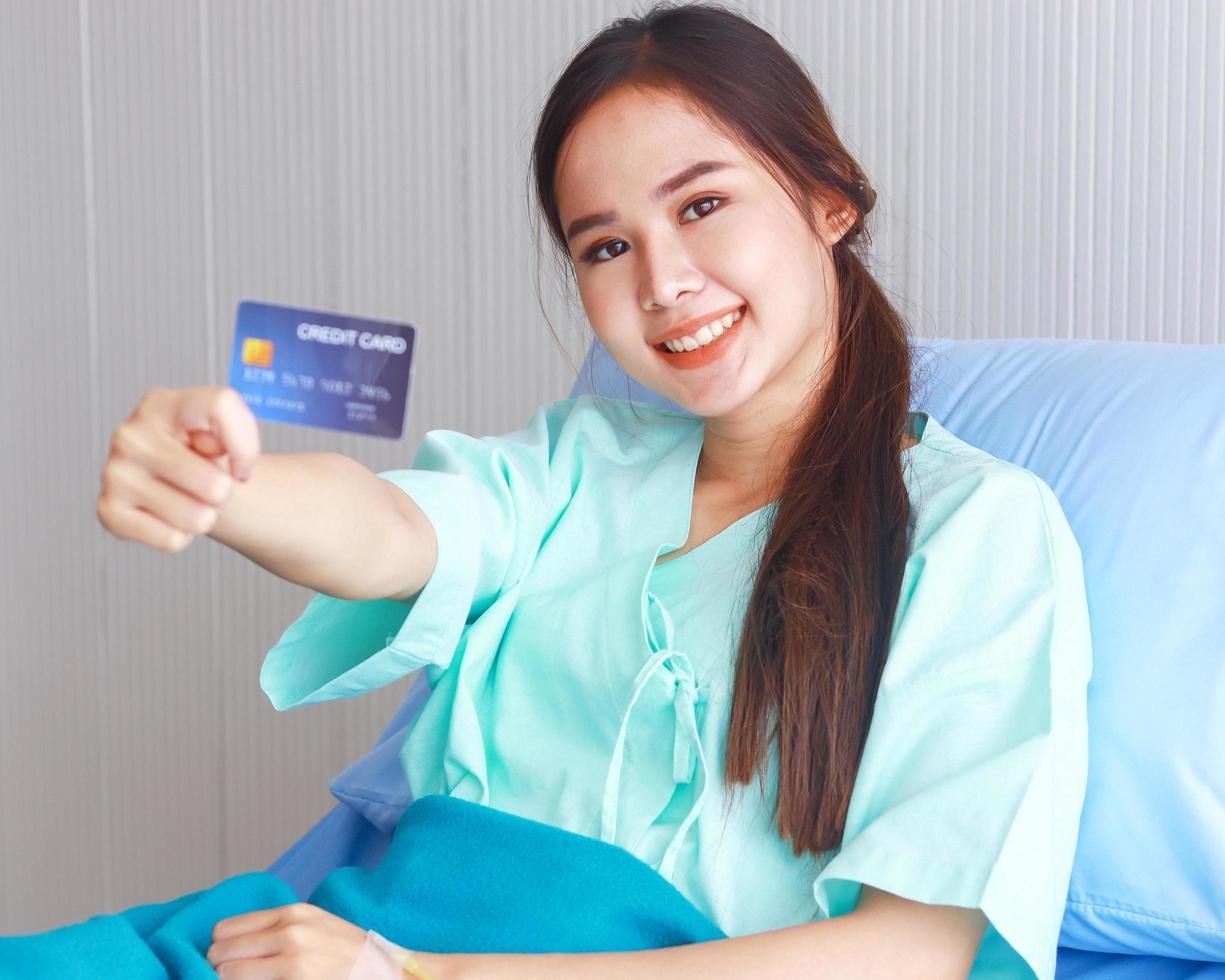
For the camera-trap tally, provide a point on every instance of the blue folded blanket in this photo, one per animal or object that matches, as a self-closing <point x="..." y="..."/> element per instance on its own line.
<point x="457" y="878"/>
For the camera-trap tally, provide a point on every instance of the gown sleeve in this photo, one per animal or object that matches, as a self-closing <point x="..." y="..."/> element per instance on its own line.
<point x="485" y="497"/>
<point x="973" y="776"/>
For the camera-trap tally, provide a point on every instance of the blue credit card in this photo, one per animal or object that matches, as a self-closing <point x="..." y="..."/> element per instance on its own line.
<point x="329" y="370"/>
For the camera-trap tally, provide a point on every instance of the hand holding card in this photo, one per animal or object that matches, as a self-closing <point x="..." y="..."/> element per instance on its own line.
<point x="166" y="477"/>
<point x="329" y="370"/>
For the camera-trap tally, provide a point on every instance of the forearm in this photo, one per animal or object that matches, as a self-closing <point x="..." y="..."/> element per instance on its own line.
<point x="323" y="521"/>
<point x="846" y="946"/>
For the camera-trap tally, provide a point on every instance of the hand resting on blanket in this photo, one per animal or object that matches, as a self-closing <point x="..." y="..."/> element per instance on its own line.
<point x="296" y="942"/>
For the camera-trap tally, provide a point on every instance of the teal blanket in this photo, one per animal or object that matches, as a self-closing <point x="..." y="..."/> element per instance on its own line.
<point x="457" y="877"/>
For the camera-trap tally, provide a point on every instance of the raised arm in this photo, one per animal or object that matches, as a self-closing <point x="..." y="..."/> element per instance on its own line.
<point x="328" y="523"/>
<point x="187" y="462"/>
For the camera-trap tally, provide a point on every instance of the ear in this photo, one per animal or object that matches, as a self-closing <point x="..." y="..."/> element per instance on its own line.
<point x="834" y="218"/>
<point x="837" y="221"/>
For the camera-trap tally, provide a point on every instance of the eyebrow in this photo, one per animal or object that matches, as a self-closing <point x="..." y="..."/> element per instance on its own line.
<point x="669" y="186"/>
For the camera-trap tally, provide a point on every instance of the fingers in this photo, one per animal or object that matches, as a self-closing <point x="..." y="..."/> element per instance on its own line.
<point x="134" y="524"/>
<point x="163" y="456"/>
<point x="265" y="933"/>
<point x="158" y="492"/>
<point x="254" y="921"/>
<point x="163" y="483"/>
<point x="298" y="940"/>
<point x="249" y="947"/>
<point x="134" y="487"/>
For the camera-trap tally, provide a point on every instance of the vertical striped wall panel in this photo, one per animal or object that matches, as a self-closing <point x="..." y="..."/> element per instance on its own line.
<point x="1043" y="169"/>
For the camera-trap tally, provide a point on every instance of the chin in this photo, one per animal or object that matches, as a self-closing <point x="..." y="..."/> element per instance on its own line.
<point x="710" y="408"/>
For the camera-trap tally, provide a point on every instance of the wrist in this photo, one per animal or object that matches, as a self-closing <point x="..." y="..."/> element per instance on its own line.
<point x="381" y="959"/>
<point x="441" y="966"/>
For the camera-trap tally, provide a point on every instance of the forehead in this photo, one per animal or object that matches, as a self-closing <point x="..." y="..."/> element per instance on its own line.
<point x="627" y="142"/>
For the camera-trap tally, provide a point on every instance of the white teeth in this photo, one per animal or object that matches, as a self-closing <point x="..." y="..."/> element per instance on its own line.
<point x="707" y="334"/>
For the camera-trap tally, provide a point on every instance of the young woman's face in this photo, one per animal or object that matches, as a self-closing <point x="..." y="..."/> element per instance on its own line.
<point x="662" y="257"/>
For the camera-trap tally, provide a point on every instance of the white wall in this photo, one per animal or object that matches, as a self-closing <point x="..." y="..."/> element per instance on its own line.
<point x="1044" y="169"/>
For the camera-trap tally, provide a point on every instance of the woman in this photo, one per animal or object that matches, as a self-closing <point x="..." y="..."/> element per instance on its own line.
<point x="882" y="626"/>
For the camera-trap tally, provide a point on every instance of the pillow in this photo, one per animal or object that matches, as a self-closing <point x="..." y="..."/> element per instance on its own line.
<point x="1131" y="437"/>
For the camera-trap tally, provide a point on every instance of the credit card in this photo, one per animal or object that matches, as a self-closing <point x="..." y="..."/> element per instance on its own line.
<point x="328" y="370"/>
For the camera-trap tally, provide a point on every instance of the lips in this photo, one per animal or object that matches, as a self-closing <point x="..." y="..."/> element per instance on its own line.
<point x="690" y="327"/>
<point x="695" y="360"/>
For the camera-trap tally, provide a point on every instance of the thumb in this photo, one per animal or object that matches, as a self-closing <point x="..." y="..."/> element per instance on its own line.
<point x="205" y="443"/>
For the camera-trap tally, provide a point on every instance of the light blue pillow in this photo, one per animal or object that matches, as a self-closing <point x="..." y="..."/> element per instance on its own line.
<point x="1131" y="437"/>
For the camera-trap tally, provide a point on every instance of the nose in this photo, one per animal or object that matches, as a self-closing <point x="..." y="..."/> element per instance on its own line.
<point x="666" y="273"/>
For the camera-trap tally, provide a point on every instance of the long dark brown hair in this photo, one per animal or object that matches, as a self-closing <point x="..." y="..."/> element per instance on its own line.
<point x="818" y="624"/>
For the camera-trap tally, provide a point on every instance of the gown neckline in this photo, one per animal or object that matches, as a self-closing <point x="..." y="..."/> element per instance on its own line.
<point x="917" y="428"/>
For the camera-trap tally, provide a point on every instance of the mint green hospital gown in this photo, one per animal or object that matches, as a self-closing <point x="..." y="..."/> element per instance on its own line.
<point x="577" y="684"/>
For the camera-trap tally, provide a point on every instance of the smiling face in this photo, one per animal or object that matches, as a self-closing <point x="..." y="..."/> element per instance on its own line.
<point x="665" y="257"/>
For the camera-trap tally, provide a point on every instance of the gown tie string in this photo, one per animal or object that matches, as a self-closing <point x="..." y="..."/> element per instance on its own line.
<point x="686" y="743"/>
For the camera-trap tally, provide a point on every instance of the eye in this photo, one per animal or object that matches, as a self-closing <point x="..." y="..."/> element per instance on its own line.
<point x="703" y="200"/>
<point x="590" y="255"/>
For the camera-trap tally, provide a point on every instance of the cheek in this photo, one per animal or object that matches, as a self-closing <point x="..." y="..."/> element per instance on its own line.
<point x="778" y="266"/>
<point x="748" y="256"/>
<point x="596" y="304"/>
<point x="605" y="309"/>
<point x="610" y="301"/>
